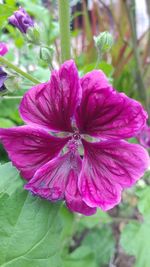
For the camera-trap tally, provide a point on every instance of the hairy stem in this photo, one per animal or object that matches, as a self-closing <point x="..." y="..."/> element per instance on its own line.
<point x="5" y="62"/>
<point x="64" y="27"/>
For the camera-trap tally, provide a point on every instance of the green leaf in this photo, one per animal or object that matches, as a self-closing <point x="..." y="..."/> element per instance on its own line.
<point x="11" y="2"/>
<point x="10" y="179"/>
<point x="104" y="66"/>
<point x="30" y="231"/>
<point x="5" y="12"/>
<point x="96" y="249"/>
<point x="30" y="227"/>
<point x="9" y="109"/>
<point x="4" y="123"/>
<point x="96" y="219"/>
<point x="81" y="257"/>
<point x="135" y="240"/>
<point x="68" y="224"/>
<point x="144" y="201"/>
<point x="101" y="243"/>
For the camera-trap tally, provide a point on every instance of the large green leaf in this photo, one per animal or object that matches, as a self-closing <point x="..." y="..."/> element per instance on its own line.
<point x="30" y="231"/>
<point x="30" y="227"/>
<point x="10" y="179"/>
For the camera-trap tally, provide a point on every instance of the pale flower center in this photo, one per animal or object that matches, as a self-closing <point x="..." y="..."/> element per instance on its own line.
<point x="75" y="142"/>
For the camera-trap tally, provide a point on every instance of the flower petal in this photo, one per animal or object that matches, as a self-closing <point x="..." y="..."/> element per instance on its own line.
<point x="144" y="137"/>
<point x="74" y="200"/>
<point x="53" y="104"/>
<point x="51" y="179"/>
<point x="30" y="148"/>
<point x="109" y="167"/>
<point x="57" y="180"/>
<point x="105" y="113"/>
<point x="3" y="49"/>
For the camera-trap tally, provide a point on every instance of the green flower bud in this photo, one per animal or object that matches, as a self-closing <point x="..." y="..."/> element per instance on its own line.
<point x="46" y="54"/>
<point x="33" y="35"/>
<point x="12" y="84"/>
<point x="103" y="42"/>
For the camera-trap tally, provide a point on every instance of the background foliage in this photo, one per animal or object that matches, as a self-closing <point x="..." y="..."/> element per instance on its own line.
<point x="33" y="232"/>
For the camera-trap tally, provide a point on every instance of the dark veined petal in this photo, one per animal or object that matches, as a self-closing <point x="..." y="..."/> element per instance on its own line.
<point x="109" y="167"/>
<point x="73" y="198"/>
<point x="30" y="148"/>
<point x="105" y="113"/>
<point x="57" y="180"/>
<point x="53" y="104"/>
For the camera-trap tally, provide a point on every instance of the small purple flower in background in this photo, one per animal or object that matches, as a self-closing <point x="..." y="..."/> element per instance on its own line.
<point x="21" y="20"/>
<point x="3" y="78"/>
<point x="144" y="137"/>
<point x="3" y="49"/>
<point x="85" y="174"/>
<point x="3" y="74"/>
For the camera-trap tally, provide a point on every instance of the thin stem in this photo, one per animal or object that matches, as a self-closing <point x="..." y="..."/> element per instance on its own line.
<point x="99" y="58"/>
<point x="4" y="61"/>
<point x="64" y="27"/>
<point x="11" y="97"/>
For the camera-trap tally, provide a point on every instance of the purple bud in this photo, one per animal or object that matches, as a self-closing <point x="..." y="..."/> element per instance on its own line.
<point x="21" y="20"/>
<point x="3" y="49"/>
<point x="3" y="77"/>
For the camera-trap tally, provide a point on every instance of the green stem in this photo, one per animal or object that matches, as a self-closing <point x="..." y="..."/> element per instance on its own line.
<point x="4" y="61"/>
<point x="11" y="97"/>
<point x="99" y="58"/>
<point x="64" y="27"/>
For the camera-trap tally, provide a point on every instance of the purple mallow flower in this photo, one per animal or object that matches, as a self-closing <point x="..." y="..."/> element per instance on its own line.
<point x="3" y="78"/>
<point x="144" y="137"/>
<point x="3" y="49"/>
<point x="86" y="174"/>
<point x="21" y="20"/>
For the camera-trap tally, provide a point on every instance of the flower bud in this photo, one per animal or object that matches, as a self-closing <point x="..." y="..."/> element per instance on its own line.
<point x="103" y="42"/>
<point x="21" y="20"/>
<point x="3" y="49"/>
<point x="33" y="35"/>
<point x="46" y="54"/>
<point x="11" y="83"/>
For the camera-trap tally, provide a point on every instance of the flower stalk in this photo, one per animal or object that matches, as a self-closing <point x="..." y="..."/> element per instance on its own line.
<point x="64" y="26"/>
<point x="11" y="97"/>
<point x="4" y="61"/>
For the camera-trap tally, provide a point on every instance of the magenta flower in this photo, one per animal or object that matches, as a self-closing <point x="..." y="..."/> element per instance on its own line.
<point x="144" y="137"/>
<point x="85" y="174"/>
<point x="21" y="20"/>
<point x="3" y="49"/>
